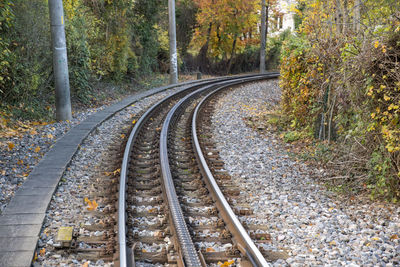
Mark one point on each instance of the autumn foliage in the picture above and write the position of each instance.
(340, 75)
(225, 29)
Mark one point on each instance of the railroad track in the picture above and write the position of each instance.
(171, 209)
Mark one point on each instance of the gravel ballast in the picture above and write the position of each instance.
(312, 226)
(68, 207)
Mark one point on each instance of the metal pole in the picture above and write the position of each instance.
(172, 44)
(60, 62)
(263, 35)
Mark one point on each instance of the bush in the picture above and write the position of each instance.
(348, 79)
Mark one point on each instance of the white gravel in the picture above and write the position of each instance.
(314, 227)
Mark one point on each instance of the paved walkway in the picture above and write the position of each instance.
(22, 219)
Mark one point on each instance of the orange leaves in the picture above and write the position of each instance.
(226, 263)
(37, 149)
(10, 146)
(92, 205)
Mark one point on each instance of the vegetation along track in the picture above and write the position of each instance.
(166, 214)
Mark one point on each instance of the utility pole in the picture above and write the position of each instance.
(173, 56)
(263, 35)
(60, 62)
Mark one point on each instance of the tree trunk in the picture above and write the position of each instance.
(345, 16)
(232, 55)
(263, 35)
(357, 15)
(338, 17)
(173, 71)
(203, 60)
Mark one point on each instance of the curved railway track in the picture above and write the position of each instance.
(171, 210)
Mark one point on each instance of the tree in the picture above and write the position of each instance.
(225, 27)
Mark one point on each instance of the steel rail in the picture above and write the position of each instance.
(188, 251)
(244, 242)
(124, 260)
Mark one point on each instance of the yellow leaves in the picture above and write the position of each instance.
(92, 205)
(226, 263)
(11, 146)
(370, 90)
(50, 136)
(86, 264)
(394, 237)
(373, 115)
(376, 44)
(393, 107)
(33, 132)
(332, 243)
(133, 122)
(116, 172)
(375, 238)
(42, 252)
(152, 210)
(20, 162)
(122, 136)
(37, 149)
(210, 250)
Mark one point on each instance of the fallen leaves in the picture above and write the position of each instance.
(210, 250)
(116, 172)
(42, 252)
(11, 146)
(152, 210)
(50, 136)
(37, 149)
(226, 263)
(92, 205)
